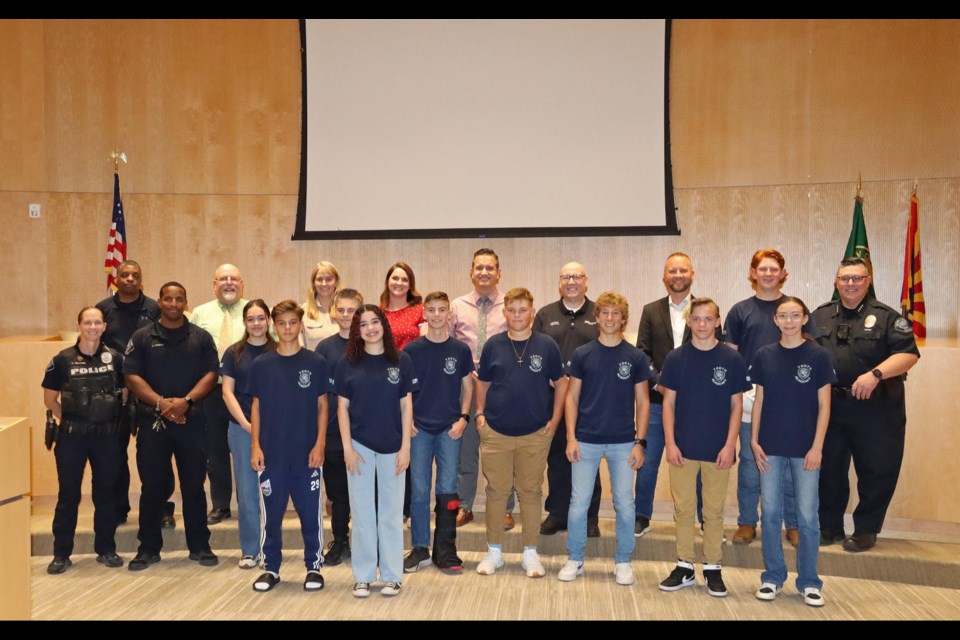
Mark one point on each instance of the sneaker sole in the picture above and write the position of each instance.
(640, 534)
(682, 585)
(717, 594)
(767, 597)
(626, 583)
(390, 594)
(420, 565)
(813, 603)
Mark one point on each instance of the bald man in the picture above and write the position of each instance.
(571, 323)
(222, 318)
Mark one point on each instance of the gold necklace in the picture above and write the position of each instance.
(519, 355)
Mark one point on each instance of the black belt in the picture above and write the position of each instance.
(89, 428)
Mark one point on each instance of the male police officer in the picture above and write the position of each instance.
(872, 348)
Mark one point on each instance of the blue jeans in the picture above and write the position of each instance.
(647, 474)
(772, 488)
(424, 447)
(377, 522)
(248, 490)
(583, 476)
(748, 487)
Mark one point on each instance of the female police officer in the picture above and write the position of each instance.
(83, 386)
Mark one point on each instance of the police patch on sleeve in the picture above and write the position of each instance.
(50, 365)
(903, 325)
(129, 348)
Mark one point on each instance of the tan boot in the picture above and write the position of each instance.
(745, 534)
(793, 537)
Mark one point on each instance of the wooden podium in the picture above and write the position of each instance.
(15, 518)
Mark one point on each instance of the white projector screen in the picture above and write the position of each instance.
(485, 128)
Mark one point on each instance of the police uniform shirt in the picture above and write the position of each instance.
(440, 368)
(875, 332)
(240, 372)
(287, 388)
(171, 361)
(520, 398)
(72, 363)
(374, 387)
(791, 380)
(750, 326)
(332, 349)
(123, 318)
(570, 329)
(607, 405)
(704, 382)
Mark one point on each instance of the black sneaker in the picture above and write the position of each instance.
(111, 560)
(142, 560)
(418, 558)
(266, 582)
(58, 565)
(641, 526)
(593, 529)
(337, 551)
(682, 576)
(829, 536)
(313, 581)
(206, 558)
(714, 580)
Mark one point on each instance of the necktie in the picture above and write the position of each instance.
(482, 324)
(225, 339)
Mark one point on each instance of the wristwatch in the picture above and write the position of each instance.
(188, 400)
(465, 416)
(641, 441)
(877, 374)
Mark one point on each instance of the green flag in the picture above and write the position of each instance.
(857, 245)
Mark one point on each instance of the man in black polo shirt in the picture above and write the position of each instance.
(171, 366)
(571, 323)
(124, 312)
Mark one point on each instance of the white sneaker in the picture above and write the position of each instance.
(247, 562)
(812, 597)
(531, 563)
(361, 589)
(490, 563)
(768, 591)
(624, 573)
(570, 570)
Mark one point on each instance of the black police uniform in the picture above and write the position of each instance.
(90, 388)
(172, 361)
(569, 329)
(122, 319)
(871, 431)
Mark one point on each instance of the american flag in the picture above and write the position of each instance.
(117, 242)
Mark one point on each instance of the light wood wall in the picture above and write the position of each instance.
(771, 122)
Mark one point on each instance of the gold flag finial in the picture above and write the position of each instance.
(859, 183)
(914, 194)
(117, 156)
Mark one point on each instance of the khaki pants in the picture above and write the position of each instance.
(514, 461)
(683, 485)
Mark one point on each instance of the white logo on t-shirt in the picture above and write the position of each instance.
(719, 376)
(304, 378)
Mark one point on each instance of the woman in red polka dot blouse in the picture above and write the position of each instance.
(402, 304)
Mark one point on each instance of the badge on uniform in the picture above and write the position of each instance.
(623, 371)
(536, 363)
(393, 375)
(903, 325)
(303, 379)
(869, 321)
(450, 366)
(106, 357)
(719, 376)
(803, 373)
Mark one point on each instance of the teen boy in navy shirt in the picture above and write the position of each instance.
(288, 421)
(441, 410)
(703, 383)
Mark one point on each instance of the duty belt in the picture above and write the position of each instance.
(89, 428)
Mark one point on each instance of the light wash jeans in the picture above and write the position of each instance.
(248, 490)
(748, 487)
(424, 447)
(377, 522)
(772, 488)
(583, 476)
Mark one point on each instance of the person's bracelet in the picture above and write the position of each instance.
(159, 400)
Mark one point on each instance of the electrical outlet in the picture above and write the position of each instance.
(34, 211)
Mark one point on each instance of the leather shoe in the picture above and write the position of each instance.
(508, 522)
(552, 525)
(142, 560)
(829, 536)
(860, 542)
(112, 560)
(593, 529)
(337, 551)
(168, 521)
(464, 516)
(793, 537)
(216, 515)
(58, 565)
(206, 558)
(746, 533)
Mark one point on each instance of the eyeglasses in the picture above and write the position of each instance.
(573, 277)
(851, 279)
(789, 316)
(224, 279)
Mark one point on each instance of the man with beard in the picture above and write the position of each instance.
(223, 319)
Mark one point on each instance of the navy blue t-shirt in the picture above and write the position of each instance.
(440, 368)
(750, 325)
(374, 387)
(608, 375)
(241, 373)
(332, 348)
(704, 382)
(520, 398)
(287, 388)
(790, 379)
